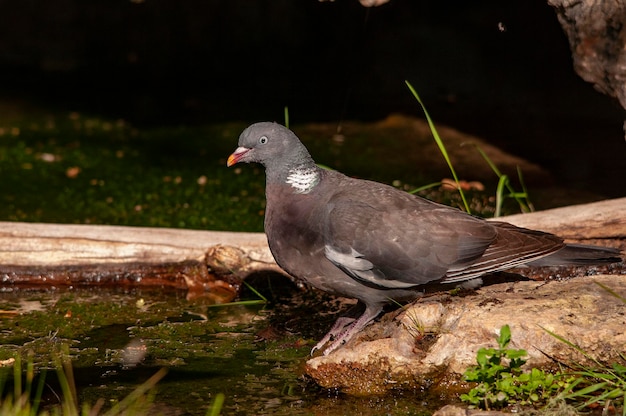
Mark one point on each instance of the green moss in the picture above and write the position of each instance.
(74, 169)
(71, 168)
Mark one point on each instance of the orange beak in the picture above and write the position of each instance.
(236, 156)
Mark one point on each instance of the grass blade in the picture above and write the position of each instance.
(256, 292)
(492, 165)
(442, 147)
(65, 375)
(421, 188)
(571, 345)
(502, 182)
(17, 378)
(611, 291)
(239, 303)
(216, 406)
(518, 196)
(261, 301)
(527, 206)
(601, 398)
(39, 391)
(585, 391)
(136, 394)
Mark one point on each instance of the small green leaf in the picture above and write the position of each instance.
(505, 336)
(510, 353)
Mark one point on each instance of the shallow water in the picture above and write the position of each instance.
(117, 339)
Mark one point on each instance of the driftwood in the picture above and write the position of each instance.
(62, 254)
(29, 244)
(601, 223)
(95, 255)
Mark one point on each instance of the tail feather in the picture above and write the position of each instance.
(579, 255)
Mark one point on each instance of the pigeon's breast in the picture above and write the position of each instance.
(294, 232)
(296, 226)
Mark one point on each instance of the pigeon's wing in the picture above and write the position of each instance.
(391, 239)
(513, 246)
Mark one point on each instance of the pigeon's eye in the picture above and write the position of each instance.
(263, 139)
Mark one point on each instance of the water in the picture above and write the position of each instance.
(118, 339)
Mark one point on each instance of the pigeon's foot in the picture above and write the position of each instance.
(345, 328)
(334, 333)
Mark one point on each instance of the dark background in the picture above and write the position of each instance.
(498, 69)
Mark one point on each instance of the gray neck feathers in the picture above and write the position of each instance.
(299, 172)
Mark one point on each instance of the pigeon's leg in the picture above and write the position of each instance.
(344, 320)
(334, 332)
(348, 330)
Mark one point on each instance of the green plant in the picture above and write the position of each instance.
(600, 385)
(503, 180)
(612, 292)
(442, 147)
(416, 328)
(216, 405)
(603, 385)
(501, 381)
(261, 301)
(521, 198)
(24, 402)
(286, 111)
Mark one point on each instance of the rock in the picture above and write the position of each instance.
(597, 33)
(389, 354)
(451, 410)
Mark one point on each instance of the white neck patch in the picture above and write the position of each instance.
(303, 180)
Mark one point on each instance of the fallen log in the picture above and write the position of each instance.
(72, 255)
(29, 244)
(602, 223)
(53, 255)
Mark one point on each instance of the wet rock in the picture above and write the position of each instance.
(224, 259)
(389, 354)
(241, 260)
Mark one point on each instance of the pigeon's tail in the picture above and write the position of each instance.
(579, 255)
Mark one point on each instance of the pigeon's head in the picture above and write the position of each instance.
(269, 144)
